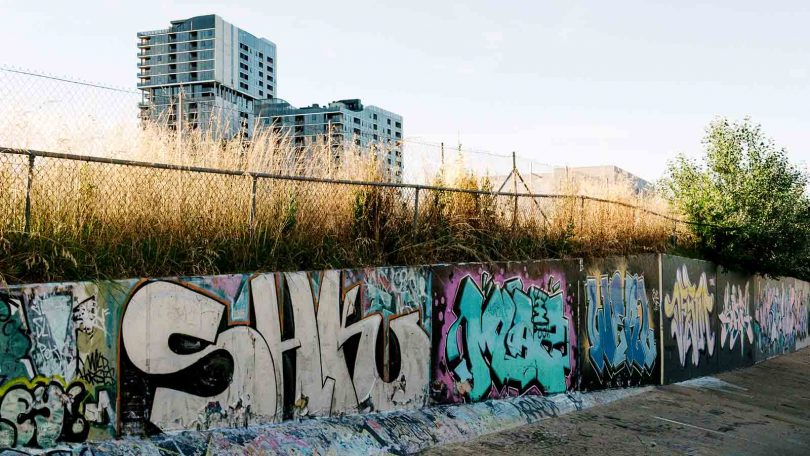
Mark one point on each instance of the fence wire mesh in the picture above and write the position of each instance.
(69, 179)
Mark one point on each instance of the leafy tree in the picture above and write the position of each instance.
(751, 201)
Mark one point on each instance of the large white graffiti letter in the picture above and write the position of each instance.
(160, 310)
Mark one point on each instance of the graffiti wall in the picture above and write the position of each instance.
(735, 319)
(95, 360)
(58, 379)
(619, 327)
(691, 335)
(503, 330)
(780, 321)
(239, 350)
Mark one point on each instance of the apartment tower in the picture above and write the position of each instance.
(206, 72)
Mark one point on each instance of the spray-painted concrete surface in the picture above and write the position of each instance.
(759, 410)
(93, 361)
(398, 432)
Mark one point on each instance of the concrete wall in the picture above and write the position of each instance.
(94, 360)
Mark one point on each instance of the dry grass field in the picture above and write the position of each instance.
(95, 220)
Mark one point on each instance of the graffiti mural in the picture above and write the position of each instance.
(94, 360)
(690, 309)
(735, 319)
(14, 342)
(321, 343)
(781, 316)
(505, 334)
(48, 334)
(691, 324)
(618, 317)
(45, 411)
(621, 332)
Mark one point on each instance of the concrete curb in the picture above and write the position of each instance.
(398, 432)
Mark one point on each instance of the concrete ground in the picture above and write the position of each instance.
(763, 409)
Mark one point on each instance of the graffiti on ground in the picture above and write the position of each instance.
(689, 310)
(508, 339)
(620, 330)
(735, 319)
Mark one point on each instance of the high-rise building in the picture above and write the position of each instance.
(205, 70)
(342, 122)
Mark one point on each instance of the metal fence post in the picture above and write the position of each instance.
(252, 216)
(416, 209)
(675, 233)
(514, 190)
(581, 214)
(29, 184)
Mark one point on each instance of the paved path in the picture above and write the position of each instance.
(763, 410)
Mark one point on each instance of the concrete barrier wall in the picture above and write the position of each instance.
(94, 360)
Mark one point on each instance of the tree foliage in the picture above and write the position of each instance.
(752, 202)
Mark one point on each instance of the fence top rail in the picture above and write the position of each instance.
(262, 175)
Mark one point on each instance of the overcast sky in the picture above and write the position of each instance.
(564, 82)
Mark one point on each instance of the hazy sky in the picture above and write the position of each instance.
(564, 82)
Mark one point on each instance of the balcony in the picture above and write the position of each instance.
(154, 32)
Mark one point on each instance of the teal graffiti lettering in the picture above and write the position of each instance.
(505, 336)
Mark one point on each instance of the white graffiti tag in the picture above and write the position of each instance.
(735, 319)
(89, 317)
(689, 310)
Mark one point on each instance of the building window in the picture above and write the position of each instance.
(389, 121)
(389, 131)
(261, 65)
(269, 60)
(261, 94)
(357, 121)
(243, 66)
(398, 125)
(375, 118)
(376, 137)
(243, 75)
(375, 126)
(398, 135)
(243, 46)
(261, 75)
(243, 85)
(243, 56)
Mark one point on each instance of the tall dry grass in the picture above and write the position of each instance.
(92, 220)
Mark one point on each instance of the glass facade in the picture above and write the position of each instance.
(204, 66)
(343, 122)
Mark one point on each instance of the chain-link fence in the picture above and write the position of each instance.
(77, 189)
(47, 112)
(424, 161)
(44, 188)
(41, 111)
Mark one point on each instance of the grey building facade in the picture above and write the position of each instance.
(205, 70)
(343, 123)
